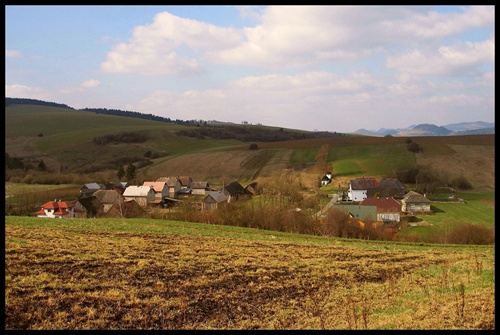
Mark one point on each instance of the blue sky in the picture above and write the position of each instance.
(329, 68)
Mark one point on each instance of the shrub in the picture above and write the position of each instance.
(461, 183)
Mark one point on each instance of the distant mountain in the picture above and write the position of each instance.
(426, 129)
(469, 126)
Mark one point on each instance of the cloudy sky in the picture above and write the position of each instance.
(329, 68)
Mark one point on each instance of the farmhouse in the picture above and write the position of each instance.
(173, 183)
(160, 187)
(233, 191)
(414, 202)
(358, 188)
(143, 195)
(200, 187)
(388, 209)
(327, 179)
(212, 200)
(56, 209)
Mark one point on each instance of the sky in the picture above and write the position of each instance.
(316, 68)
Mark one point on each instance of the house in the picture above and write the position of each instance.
(358, 188)
(160, 187)
(106, 199)
(92, 187)
(143, 195)
(387, 187)
(201, 188)
(233, 191)
(185, 181)
(56, 209)
(327, 179)
(252, 188)
(212, 200)
(388, 209)
(116, 186)
(126, 209)
(174, 185)
(414, 202)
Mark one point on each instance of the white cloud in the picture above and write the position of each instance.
(160, 47)
(458, 59)
(90, 83)
(22, 91)
(13, 54)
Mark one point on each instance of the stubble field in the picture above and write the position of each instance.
(155, 274)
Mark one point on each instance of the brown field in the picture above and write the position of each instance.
(114, 278)
(475, 162)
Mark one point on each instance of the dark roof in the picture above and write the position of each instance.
(234, 188)
(363, 183)
(199, 184)
(390, 183)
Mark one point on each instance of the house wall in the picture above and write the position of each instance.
(199, 191)
(388, 217)
(416, 207)
(356, 195)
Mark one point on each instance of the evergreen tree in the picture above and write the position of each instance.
(130, 173)
(120, 173)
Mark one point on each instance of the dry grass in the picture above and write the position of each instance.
(87, 278)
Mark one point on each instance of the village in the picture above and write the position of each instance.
(366, 199)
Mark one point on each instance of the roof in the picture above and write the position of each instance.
(199, 184)
(59, 207)
(186, 190)
(363, 183)
(137, 191)
(383, 204)
(218, 196)
(358, 211)
(170, 181)
(107, 196)
(391, 183)
(157, 185)
(415, 197)
(234, 188)
(184, 180)
(91, 186)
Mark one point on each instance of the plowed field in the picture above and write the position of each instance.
(111, 277)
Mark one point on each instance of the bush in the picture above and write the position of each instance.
(413, 147)
(468, 233)
(461, 183)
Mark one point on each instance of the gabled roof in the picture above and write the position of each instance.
(59, 207)
(184, 180)
(157, 185)
(170, 181)
(390, 183)
(415, 197)
(107, 196)
(363, 183)
(199, 184)
(234, 188)
(137, 191)
(90, 186)
(383, 204)
(218, 196)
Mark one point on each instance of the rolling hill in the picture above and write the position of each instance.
(94, 145)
